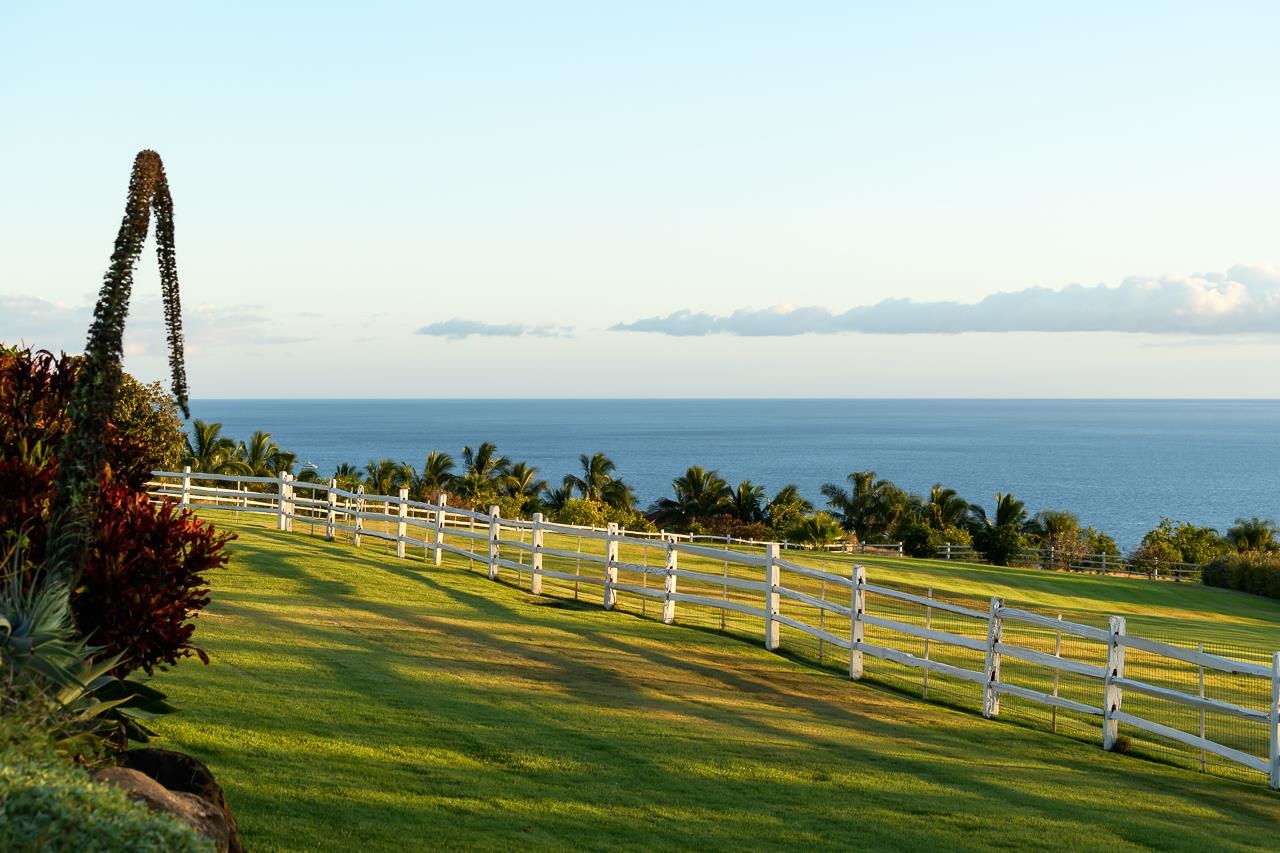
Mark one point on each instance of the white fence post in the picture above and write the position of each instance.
(494, 530)
(856, 626)
(669, 584)
(991, 694)
(331, 510)
(402, 527)
(1275, 721)
(771, 599)
(1113, 696)
(610, 566)
(359, 525)
(280, 501)
(535, 572)
(185, 501)
(440, 513)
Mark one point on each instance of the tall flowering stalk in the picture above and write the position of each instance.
(81, 458)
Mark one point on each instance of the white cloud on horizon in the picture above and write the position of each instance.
(1244, 299)
(457, 329)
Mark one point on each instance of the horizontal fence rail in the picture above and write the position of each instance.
(1085, 677)
(1106, 564)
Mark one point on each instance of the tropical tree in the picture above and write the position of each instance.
(816, 530)
(521, 484)
(261, 456)
(999, 538)
(435, 479)
(786, 508)
(1061, 539)
(747, 503)
(699, 494)
(597, 474)
(482, 469)
(207, 450)
(556, 499)
(869, 507)
(383, 476)
(945, 508)
(1253, 534)
(348, 476)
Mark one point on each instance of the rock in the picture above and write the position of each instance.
(203, 816)
(183, 773)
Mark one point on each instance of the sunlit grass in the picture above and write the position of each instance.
(359, 700)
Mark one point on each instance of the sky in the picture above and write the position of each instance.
(689, 199)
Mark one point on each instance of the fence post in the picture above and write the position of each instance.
(991, 695)
(535, 569)
(610, 566)
(495, 529)
(669, 584)
(280, 501)
(440, 513)
(185, 501)
(1275, 721)
(402, 528)
(331, 510)
(359, 525)
(771, 596)
(1113, 696)
(856, 626)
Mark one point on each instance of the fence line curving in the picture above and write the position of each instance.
(1080, 678)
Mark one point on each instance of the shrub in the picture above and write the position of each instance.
(143, 580)
(49, 804)
(1256, 572)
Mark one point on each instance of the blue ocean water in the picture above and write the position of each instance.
(1119, 464)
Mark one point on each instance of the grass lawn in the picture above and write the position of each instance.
(359, 701)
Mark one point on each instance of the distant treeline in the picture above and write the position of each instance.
(863, 508)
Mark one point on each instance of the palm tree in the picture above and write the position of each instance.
(521, 482)
(699, 494)
(999, 539)
(481, 470)
(870, 507)
(262, 457)
(206, 449)
(347, 475)
(816, 530)
(383, 476)
(555, 499)
(597, 473)
(747, 502)
(436, 477)
(787, 507)
(1253, 534)
(619, 495)
(945, 508)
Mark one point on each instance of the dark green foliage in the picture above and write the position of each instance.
(50, 804)
(1257, 572)
(1253, 534)
(999, 538)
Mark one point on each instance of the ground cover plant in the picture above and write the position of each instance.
(356, 698)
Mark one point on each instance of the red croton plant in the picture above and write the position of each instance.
(143, 581)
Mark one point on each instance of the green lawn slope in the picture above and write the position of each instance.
(356, 701)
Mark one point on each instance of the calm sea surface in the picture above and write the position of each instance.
(1119, 465)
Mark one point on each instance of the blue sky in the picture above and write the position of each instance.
(661, 199)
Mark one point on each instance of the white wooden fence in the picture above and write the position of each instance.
(777, 593)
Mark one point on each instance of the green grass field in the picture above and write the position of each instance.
(359, 700)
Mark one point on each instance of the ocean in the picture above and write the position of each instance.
(1120, 465)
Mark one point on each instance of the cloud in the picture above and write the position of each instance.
(1244, 299)
(457, 329)
(39, 322)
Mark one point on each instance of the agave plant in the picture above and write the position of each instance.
(44, 662)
